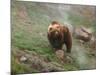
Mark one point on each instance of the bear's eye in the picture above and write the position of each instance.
(50, 29)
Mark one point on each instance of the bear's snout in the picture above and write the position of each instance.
(55, 33)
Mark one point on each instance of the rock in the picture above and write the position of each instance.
(69, 59)
(23, 59)
(60, 54)
(92, 42)
(64, 58)
(83, 33)
(88, 31)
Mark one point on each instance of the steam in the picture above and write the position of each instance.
(80, 56)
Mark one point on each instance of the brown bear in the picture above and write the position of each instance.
(58, 35)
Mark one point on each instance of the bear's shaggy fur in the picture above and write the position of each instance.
(59, 35)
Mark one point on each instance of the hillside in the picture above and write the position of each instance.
(31, 51)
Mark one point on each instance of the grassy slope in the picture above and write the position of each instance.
(29, 31)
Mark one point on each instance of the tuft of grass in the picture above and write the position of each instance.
(70, 67)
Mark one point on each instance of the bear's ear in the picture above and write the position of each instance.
(50, 26)
(55, 22)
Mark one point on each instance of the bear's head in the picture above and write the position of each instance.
(55, 29)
